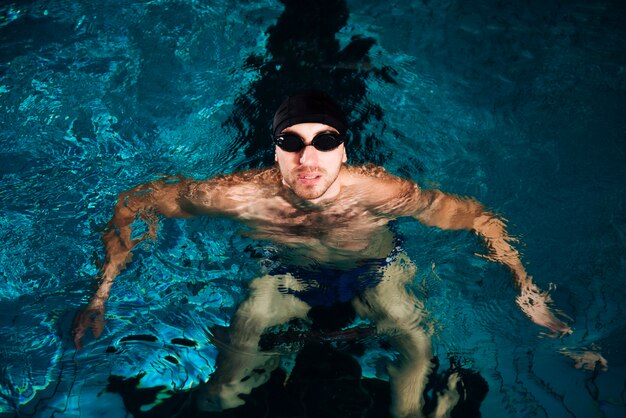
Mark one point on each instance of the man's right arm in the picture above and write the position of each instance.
(172, 198)
(146, 202)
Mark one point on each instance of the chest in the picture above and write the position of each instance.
(326, 234)
(313, 222)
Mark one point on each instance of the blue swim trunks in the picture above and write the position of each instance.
(327, 286)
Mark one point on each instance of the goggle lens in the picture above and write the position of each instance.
(322, 142)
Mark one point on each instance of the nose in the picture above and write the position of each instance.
(308, 156)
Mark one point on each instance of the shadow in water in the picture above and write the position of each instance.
(303, 53)
(325, 382)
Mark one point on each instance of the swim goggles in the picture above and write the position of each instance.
(325, 141)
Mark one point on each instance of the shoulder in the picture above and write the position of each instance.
(374, 176)
(224, 182)
(377, 187)
(366, 171)
(227, 190)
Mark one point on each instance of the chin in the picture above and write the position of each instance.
(309, 194)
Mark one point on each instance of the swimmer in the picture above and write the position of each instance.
(328, 224)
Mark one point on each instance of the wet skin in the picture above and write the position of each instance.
(319, 207)
(313, 203)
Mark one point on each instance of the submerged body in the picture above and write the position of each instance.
(323, 215)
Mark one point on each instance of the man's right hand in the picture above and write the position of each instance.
(92, 316)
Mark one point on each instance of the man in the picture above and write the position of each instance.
(328, 222)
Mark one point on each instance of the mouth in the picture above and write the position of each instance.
(309, 178)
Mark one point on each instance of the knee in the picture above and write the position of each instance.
(267, 305)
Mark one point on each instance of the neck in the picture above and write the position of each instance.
(318, 203)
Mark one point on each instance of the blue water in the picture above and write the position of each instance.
(520, 104)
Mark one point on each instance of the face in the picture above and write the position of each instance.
(310, 173)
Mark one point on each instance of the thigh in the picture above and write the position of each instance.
(391, 303)
(269, 304)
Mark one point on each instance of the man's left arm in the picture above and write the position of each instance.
(445, 211)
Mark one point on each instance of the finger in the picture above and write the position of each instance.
(97, 326)
(79, 332)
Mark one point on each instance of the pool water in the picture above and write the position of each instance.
(519, 104)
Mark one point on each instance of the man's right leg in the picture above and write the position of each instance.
(240, 365)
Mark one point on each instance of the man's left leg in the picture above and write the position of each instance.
(398, 313)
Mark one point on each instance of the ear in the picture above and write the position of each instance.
(345, 157)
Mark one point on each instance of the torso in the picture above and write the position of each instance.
(338, 232)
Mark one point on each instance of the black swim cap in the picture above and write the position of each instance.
(309, 106)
